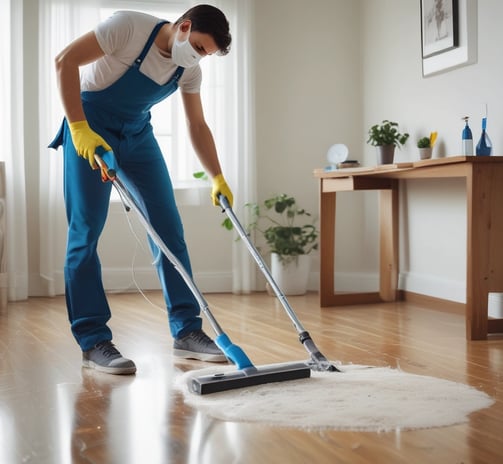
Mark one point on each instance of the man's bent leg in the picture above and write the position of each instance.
(87, 200)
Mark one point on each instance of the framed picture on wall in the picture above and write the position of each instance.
(448, 34)
(439, 26)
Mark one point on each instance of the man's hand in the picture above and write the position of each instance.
(221, 187)
(86, 141)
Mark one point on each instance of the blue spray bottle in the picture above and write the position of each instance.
(467, 139)
(484, 147)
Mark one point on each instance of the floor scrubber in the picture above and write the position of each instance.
(246, 374)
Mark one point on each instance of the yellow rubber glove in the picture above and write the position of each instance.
(221, 187)
(86, 141)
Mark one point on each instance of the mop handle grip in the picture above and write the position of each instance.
(106, 172)
(224, 203)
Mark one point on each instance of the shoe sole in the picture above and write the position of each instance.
(109, 370)
(208, 357)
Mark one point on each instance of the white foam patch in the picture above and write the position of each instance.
(360, 398)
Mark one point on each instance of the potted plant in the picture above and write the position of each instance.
(424, 148)
(277, 219)
(280, 220)
(425, 145)
(386, 137)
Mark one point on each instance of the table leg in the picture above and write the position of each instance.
(328, 296)
(327, 246)
(484, 265)
(388, 230)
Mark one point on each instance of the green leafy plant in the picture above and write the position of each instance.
(423, 142)
(201, 175)
(386, 133)
(277, 220)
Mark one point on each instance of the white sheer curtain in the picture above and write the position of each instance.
(63, 20)
(245, 168)
(238, 150)
(12, 153)
(60, 22)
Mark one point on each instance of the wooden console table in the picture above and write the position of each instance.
(484, 252)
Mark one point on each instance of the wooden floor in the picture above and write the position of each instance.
(52, 411)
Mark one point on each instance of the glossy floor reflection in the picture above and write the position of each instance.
(52, 411)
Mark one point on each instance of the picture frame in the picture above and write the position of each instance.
(455, 41)
(439, 26)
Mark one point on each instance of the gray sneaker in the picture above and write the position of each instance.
(197, 345)
(105, 357)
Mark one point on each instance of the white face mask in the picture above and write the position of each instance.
(183, 53)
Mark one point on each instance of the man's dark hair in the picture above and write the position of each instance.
(210, 20)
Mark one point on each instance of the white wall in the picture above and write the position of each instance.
(309, 80)
(433, 224)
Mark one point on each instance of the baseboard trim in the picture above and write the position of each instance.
(431, 302)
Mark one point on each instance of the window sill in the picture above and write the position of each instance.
(188, 194)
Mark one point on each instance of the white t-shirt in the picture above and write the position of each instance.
(122, 37)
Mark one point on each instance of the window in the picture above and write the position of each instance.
(227, 95)
(223, 95)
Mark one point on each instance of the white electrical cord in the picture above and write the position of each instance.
(139, 244)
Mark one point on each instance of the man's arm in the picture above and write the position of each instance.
(204, 145)
(200, 134)
(80, 52)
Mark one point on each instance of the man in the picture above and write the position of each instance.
(135, 61)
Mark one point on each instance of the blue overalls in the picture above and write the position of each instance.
(121, 115)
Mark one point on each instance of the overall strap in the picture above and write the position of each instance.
(149, 43)
(178, 73)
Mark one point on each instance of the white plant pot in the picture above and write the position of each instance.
(425, 153)
(292, 277)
